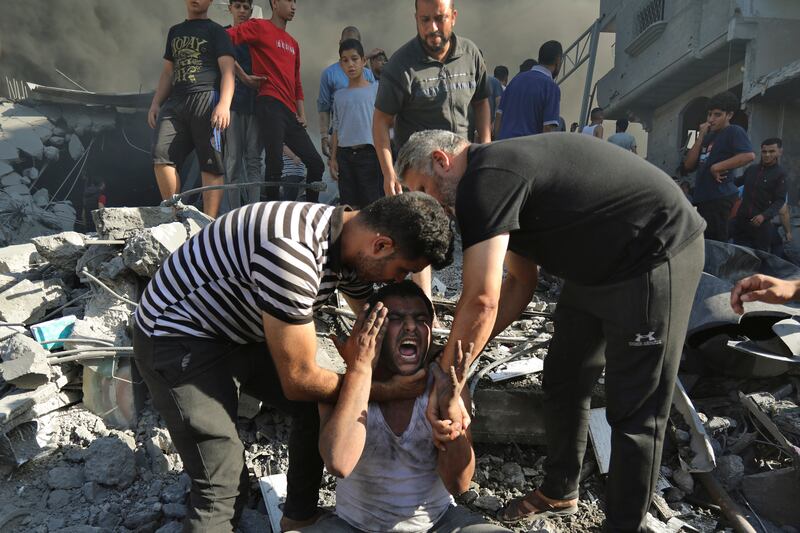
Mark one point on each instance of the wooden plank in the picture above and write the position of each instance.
(273, 489)
(600, 433)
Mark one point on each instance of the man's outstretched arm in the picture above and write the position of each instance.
(343, 426)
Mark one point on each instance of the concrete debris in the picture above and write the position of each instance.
(61, 250)
(18, 258)
(28, 301)
(24, 362)
(110, 461)
(730, 471)
(145, 252)
(125, 222)
(65, 477)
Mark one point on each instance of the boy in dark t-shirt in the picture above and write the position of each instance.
(191, 106)
(720, 148)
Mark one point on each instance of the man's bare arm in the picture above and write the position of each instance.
(483, 121)
(786, 221)
(476, 311)
(522, 275)
(324, 129)
(456, 464)
(381, 125)
(162, 92)
(293, 348)
(498, 120)
(598, 131)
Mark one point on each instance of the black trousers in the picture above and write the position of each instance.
(280, 126)
(636, 329)
(360, 176)
(717, 214)
(195, 385)
(746, 234)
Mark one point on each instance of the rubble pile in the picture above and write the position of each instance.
(81, 452)
(31, 140)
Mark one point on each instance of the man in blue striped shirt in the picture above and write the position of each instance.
(232, 310)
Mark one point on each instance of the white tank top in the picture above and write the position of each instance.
(395, 486)
(589, 130)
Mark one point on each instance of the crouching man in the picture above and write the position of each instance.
(392, 476)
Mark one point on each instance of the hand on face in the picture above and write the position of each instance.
(362, 347)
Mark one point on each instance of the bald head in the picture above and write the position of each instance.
(350, 32)
(451, 4)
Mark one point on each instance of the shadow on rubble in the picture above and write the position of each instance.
(765, 341)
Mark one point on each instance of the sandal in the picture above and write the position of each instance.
(536, 505)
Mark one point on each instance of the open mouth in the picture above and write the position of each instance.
(408, 350)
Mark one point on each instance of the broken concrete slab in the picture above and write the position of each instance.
(75, 147)
(145, 251)
(774, 495)
(123, 222)
(729, 471)
(5, 168)
(62, 250)
(18, 258)
(10, 180)
(24, 362)
(65, 477)
(28, 301)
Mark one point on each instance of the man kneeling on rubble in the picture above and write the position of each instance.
(392, 478)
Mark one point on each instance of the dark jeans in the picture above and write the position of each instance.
(195, 385)
(717, 214)
(746, 234)
(636, 329)
(360, 176)
(279, 126)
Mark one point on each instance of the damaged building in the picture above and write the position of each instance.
(671, 56)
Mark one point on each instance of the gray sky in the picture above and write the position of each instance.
(116, 45)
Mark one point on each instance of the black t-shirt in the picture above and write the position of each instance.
(585, 210)
(194, 46)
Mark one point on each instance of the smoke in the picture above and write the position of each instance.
(117, 45)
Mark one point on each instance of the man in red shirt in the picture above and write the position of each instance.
(279, 106)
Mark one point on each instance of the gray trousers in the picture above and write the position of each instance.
(457, 520)
(636, 330)
(243, 161)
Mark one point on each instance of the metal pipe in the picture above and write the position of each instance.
(98, 349)
(587, 88)
(79, 340)
(318, 186)
(85, 272)
(729, 508)
(88, 356)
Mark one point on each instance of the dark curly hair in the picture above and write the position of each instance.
(727, 102)
(403, 289)
(417, 223)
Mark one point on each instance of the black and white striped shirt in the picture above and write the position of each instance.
(282, 258)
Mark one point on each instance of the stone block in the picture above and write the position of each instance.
(75, 147)
(110, 462)
(51, 153)
(24, 362)
(18, 258)
(729, 471)
(145, 252)
(28, 301)
(11, 179)
(124, 222)
(41, 198)
(61, 250)
(513, 415)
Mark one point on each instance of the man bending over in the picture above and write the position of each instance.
(392, 478)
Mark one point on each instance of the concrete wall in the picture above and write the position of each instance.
(664, 138)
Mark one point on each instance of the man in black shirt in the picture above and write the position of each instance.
(764, 195)
(191, 106)
(630, 249)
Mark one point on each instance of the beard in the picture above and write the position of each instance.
(441, 46)
(368, 269)
(448, 191)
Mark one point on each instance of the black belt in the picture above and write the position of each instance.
(357, 148)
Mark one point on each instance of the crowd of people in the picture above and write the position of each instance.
(408, 138)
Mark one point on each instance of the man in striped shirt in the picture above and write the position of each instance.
(232, 310)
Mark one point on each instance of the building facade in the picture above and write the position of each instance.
(671, 55)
